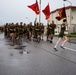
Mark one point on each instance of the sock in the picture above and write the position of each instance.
(62, 44)
(54, 46)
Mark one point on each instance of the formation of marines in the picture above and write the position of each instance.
(36, 31)
(14, 31)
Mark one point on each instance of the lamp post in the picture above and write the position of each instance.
(68, 1)
(40, 12)
(70, 16)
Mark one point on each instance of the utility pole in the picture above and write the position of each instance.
(69, 27)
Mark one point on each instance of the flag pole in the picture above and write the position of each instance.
(40, 12)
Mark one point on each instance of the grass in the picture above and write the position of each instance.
(71, 35)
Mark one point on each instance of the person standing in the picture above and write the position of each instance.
(62, 35)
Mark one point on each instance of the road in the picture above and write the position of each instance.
(42, 59)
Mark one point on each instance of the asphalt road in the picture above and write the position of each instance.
(42, 59)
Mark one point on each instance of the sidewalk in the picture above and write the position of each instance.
(72, 40)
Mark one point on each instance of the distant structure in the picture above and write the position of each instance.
(71, 19)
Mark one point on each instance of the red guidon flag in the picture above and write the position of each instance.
(35, 7)
(62, 14)
(46, 11)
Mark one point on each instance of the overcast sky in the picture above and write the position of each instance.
(17, 10)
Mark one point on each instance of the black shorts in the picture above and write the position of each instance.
(61, 34)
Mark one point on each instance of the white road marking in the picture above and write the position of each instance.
(70, 49)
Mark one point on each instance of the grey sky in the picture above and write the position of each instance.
(17, 10)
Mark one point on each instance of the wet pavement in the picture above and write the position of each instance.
(33, 58)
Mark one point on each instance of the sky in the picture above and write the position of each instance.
(17, 10)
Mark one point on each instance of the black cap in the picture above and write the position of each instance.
(64, 20)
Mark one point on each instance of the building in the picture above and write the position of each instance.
(71, 19)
